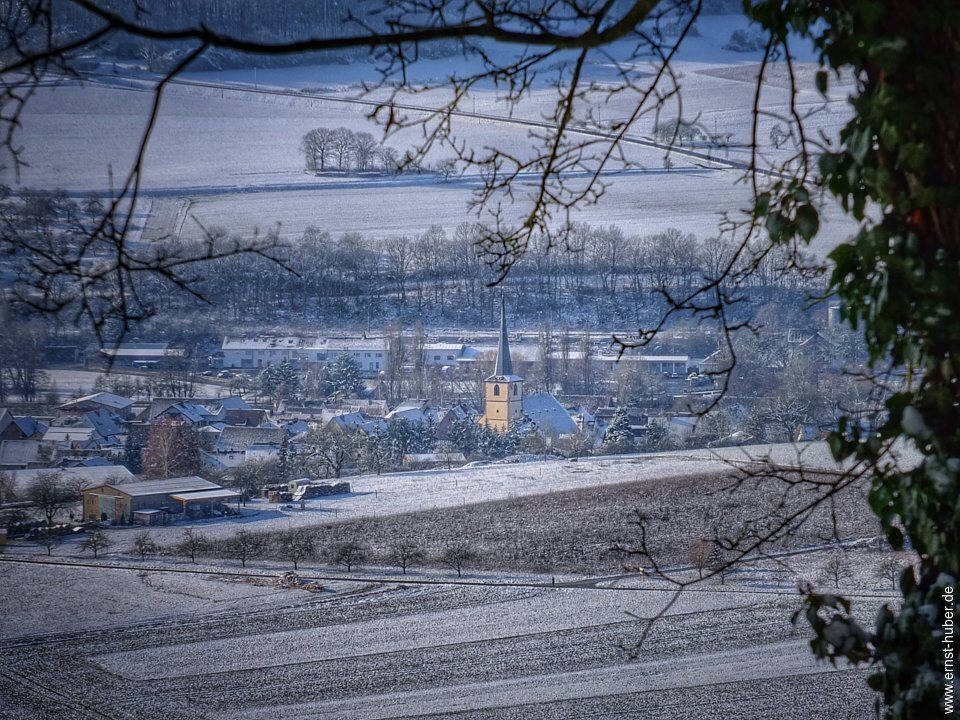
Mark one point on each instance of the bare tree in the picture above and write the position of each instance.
(21, 359)
(456, 555)
(173, 450)
(348, 553)
(144, 544)
(96, 541)
(891, 569)
(49, 492)
(341, 145)
(390, 160)
(192, 542)
(244, 545)
(446, 168)
(296, 545)
(578, 444)
(364, 148)
(250, 477)
(8, 488)
(49, 538)
(330, 449)
(404, 553)
(317, 144)
(399, 251)
(700, 554)
(836, 568)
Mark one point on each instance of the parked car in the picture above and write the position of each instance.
(225, 374)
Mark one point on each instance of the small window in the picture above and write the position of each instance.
(496, 390)
(515, 389)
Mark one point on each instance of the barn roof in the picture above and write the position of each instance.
(164, 487)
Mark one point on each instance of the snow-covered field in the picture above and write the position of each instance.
(166, 637)
(227, 154)
(149, 643)
(399, 493)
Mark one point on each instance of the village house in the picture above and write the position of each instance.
(261, 351)
(441, 354)
(370, 354)
(114, 404)
(23, 427)
(235, 444)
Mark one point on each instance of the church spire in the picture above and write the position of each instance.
(504, 363)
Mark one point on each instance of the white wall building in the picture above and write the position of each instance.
(370, 353)
(259, 352)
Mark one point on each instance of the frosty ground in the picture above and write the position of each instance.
(119, 637)
(159, 643)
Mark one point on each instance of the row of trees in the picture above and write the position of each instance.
(607, 276)
(344, 149)
(299, 544)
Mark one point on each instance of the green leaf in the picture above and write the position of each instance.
(776, 226)
(808, 221)
(822, 80)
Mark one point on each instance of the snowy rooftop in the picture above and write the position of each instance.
(221, 494)
(272, 343)
(549, 415)
(101, 398)
(355, 344)
(171, 485)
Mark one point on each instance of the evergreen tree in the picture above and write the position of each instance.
(655, 439)
(279, 382)
(376, 453)
(493, 444)
(465, 434)
(618, 437)
(284, 464)
(345, 377)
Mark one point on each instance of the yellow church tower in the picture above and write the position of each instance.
(503, 391)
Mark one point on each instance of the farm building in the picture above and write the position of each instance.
(191, 495)
(142, 355)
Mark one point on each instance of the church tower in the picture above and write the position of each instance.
(503, 391)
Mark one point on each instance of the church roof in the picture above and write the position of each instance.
(503, 371)
(548, 414)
